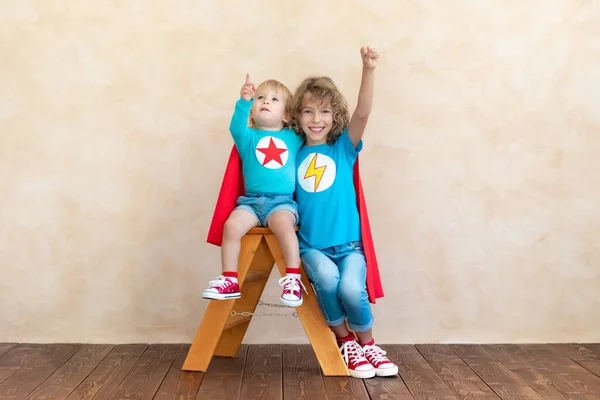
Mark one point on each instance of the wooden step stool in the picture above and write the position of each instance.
(220, 333)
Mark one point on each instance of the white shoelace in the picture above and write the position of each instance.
(221, 282)
(376, 352)
(351, 351)
(293, 282)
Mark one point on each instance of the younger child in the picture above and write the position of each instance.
(267, 150)
(330, 232)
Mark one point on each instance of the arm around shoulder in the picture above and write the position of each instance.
(360, 117)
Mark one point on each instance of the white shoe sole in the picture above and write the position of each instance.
(363, 374)
(290, 303)
(217, 296)
(387, 371)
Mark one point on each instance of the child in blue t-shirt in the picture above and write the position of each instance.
(267, 149)
(329, 232)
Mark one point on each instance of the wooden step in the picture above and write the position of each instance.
(255, 276)
(236, 320)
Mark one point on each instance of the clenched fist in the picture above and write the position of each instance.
(369, 56)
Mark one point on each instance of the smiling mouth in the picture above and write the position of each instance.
(316, 129)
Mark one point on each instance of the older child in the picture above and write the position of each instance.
(330, 232)
(268, 149)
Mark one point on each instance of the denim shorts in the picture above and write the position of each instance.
(263, 206)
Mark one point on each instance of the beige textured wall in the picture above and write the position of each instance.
(480, 161)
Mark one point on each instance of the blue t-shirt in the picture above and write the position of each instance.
(325, 194)
(268, 157)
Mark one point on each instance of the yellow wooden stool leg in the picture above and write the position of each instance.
(217, 317)
(221, 333)
(252, 286)
(319, 334)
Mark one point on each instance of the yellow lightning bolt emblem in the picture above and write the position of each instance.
(317, 172)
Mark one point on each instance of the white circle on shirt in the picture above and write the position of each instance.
(271, 152)
(316, 173)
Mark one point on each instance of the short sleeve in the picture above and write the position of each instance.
(348, 148)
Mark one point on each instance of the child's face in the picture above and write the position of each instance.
(316, 119)
(268, 110)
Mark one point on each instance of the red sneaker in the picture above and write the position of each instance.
(358, 365)
(292, 290)
(383, 366)
(222, 288)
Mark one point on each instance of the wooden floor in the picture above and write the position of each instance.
(139, 371)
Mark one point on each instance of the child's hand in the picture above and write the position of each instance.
(369, 57)
(248, 89)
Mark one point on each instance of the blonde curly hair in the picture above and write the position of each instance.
(321, 88)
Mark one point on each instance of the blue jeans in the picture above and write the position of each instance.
(339, 276)
(262, 206)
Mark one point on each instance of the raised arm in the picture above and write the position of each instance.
(239, 121)
(359, 119)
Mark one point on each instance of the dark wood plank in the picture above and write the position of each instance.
(512, 355)
(180, 384)
(519, 371)
(223, 380)
(24, 380)
(38, 355)
(419, 376)
(302, 377)
(553, 384)
(37, 363)
(391, 387)
(5, 372)
(544, 373)
(592, 366)
(22, 354)
(345, 388)
(5, 347)
(565, 375)
(147, 374)
(262, 373)
(460, 379)
(595, 348)
(109, 374)
(546, 355)
(587, 355)
(495, 374)
(65, 379)
(578, 351)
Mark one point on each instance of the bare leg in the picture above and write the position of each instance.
(281, 224)
(341, 330)
(365, 337)
(238, 224)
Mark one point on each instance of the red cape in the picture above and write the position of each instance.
(233, 187)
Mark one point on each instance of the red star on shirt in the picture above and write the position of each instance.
(272, 153)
